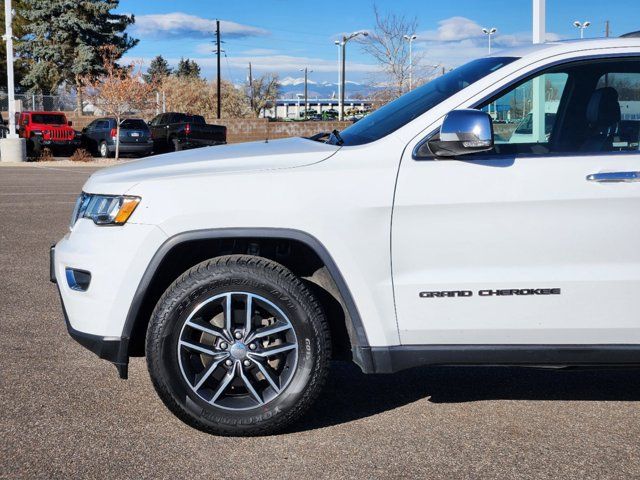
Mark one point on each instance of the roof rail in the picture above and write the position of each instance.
(635, 34)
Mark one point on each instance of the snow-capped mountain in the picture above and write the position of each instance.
(290, 87)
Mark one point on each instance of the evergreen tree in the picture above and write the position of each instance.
(158, 70)
(64, 37)
(188, 68)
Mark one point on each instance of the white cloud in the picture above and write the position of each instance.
(460, 39)
(183, 25)
(284, 65)
(452, 29)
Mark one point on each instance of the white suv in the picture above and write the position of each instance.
(424, 234)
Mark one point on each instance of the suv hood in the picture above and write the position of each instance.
(221, 159)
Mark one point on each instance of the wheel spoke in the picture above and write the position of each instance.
(228, 315)
(247, 322)
(249, 386)
(210, 370)
(270, 352)
(264, 369)
(224, 384)
(210, 330)
(277, 327)
(199, 348)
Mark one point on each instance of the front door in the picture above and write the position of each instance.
(538, 241)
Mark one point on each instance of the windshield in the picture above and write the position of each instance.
(411, 105)
(48, 118)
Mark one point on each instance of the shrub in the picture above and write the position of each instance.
(81, 155)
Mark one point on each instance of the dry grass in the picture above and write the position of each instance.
(81, 155)
(45, 155)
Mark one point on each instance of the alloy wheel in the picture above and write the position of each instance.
(237, 350)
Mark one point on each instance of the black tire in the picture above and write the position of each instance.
(212, 279)
(34, 147)
(176, 145)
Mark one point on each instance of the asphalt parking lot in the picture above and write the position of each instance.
(65, 414)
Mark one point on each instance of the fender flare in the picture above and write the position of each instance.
(359, 342)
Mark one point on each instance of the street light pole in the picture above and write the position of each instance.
(8, 38)
(581, 26)
(345, 39)
(488, 32)
(410, 39)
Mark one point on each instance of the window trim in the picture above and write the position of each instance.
(522, 79)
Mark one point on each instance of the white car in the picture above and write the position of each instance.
(410, 238)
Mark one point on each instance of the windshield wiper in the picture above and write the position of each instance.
(336, 134)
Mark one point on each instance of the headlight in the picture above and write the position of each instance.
(104, 209)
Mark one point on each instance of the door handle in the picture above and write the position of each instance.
(614, 177)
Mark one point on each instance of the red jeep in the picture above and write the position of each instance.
(47, 129)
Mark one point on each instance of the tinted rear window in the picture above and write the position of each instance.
(134, 124)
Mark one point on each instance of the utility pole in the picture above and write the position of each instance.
(218, 51)
(8, 38)
(606, 28)
(306, 97)
(306, 80)
(250, 87)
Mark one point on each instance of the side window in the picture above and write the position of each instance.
(525, 116)
(584, 107)
(627, 87)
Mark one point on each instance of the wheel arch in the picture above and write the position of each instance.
(195, 246)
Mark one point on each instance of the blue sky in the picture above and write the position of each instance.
(285, 35)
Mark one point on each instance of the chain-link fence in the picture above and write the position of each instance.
(28, 101)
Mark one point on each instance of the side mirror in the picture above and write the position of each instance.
(463, 132)
(70, 123)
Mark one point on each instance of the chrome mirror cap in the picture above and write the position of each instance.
(463, 132)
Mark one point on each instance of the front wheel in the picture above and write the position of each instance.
(238, 346)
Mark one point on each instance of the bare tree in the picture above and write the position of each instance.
(118, 91)
(386, 44)
(262, 92)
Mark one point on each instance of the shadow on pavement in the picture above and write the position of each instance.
(351, 395)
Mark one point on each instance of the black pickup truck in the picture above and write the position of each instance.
(174, 131)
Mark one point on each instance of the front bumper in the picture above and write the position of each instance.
(112, 349)
(60, 143)
(116, 258)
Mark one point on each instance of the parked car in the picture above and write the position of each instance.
(175, 131)
(99, 137)
(47, 129)
(241, 271)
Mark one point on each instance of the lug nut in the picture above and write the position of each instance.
(238, 335)
(228, 363)
(246, 363)
(223, 345)
(252, 346)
